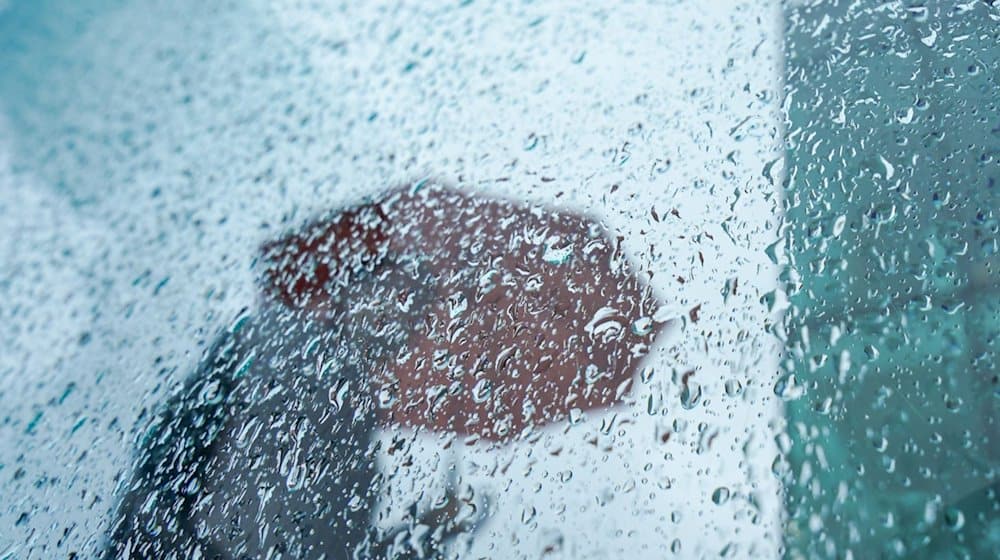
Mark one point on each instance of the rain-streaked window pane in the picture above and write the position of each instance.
(892, 197)
(465, 279)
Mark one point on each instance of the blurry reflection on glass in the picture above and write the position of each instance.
(429, 308)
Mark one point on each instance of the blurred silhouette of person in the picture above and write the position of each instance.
(428, 308)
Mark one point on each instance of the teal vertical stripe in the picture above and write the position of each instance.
(892, 204)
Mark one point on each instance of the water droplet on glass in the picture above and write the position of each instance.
(386, 397)
(930, 38)
(690, 395)
(642, 326)
(953, 403)
(457, 304)
(605, 326)
(482, 390)
(788, 387)
(721, 495)
(338, 394)
(734, 388)
(296, 477)
(556, 253)
(954, 519)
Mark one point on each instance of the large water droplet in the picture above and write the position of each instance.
(556, 252)
(457, 304)
(734, 387)
(954, 519)
(690, 395)
(338, 394)
(482, 390)
(788, 387)
(721, 495)
(642, 326)
(605, 326)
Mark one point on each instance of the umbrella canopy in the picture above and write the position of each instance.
(515, 316)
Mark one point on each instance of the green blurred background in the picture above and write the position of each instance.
(891, 381)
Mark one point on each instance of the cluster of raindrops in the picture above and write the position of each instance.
(890, 266)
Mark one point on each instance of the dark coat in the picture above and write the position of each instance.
(269, 447)
(266, 449)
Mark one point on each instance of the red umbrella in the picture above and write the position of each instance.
(529, 312)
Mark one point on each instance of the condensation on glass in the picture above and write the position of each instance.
(463, 279)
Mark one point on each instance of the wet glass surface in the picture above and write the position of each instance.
(289, 279)
(892, 196)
